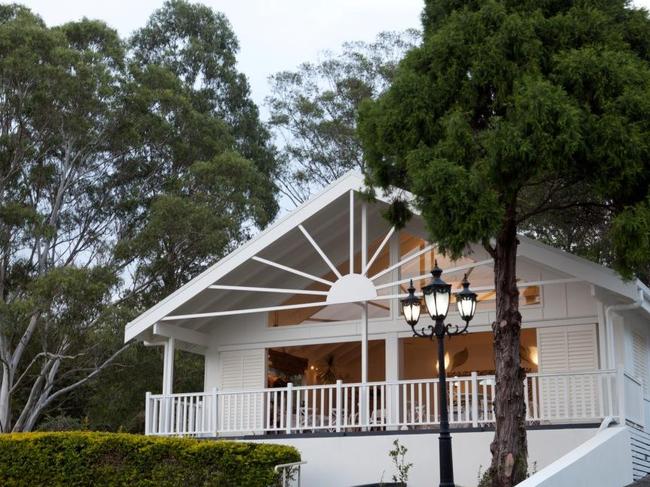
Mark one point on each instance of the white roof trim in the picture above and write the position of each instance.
(577, 266)
(353, 181)
(349, 182)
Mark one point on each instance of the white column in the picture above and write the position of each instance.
(602, 335)
(352, 232)
(364, 306)
(393, 254)
(364, 320)
(392, 376)
(168, 367)
(364, 342)
(392, 357)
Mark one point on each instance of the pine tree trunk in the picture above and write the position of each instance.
(509, 447)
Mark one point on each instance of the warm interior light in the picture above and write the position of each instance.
(447, 360)
(532, 353)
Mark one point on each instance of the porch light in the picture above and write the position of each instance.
(436, 295)
(411, 306)
(466, 301)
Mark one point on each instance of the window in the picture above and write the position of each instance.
(481, 276)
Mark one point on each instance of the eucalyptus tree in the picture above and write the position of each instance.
(510, 111)
(121, 176)
(204, 160)
(313, 110)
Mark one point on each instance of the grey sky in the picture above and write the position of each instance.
(274, 35)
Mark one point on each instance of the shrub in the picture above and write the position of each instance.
(61, 423)
(116, 459)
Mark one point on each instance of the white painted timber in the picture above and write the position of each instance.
(397, 405)
(351, 288)
(378, 251)
(640, 442)
(424, 276)
(291, 270)
(357, 460)
(168, 366)
(528, 249)
(268, 290)
(352, 181)
(320, 251)
(574, 349)
(186, 335)
(351, 257)
(603, 460)
(405, 260)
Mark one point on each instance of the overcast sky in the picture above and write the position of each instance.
(274, 35)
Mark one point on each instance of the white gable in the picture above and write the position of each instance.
(328, 218)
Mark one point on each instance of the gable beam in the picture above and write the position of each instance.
(292, 270)
(268, 290)
(186, 335)
(320, 251)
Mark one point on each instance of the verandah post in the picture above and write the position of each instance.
(474, 399)
(289, 406)
(620, 387)
(215, 412)
(339, 390)
(147, 413)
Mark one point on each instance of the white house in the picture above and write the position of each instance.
(304, 344)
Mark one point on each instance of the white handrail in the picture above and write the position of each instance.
(287, 472)
(559, 397)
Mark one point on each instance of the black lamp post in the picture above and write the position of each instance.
(437, 296)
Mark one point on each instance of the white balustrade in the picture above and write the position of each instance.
(405, 404)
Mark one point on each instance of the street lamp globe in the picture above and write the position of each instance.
(411, 307)
(436, 295)
(466, 301)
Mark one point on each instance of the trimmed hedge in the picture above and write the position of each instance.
(116, 459)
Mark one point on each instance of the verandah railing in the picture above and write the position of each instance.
(550, 398)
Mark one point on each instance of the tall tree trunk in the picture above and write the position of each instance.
(5, 399)
(509, 447)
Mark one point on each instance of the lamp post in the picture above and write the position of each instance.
(437, 297)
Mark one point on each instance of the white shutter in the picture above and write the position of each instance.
(640, 357)
(567, 348)
(552, 350)
(564, 350)
(242, 370)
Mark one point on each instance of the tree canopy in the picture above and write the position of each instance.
(126, 166)
(313, 110)
(510, 113)
(540, 105)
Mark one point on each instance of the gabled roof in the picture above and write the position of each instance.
(353, 181)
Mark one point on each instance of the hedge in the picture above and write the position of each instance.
(116, 459)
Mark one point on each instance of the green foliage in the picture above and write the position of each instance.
(127, 166)
(520, 107)
(398, 456)
(89, 459)
(110, 406)
(510, 113)
(314, 110)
